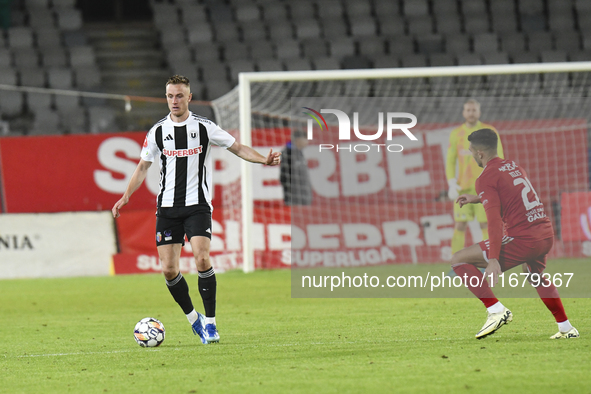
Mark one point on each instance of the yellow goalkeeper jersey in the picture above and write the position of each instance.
(458, 151)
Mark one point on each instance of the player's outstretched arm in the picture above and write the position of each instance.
(134, 183)
(247, 153)
(467, 199)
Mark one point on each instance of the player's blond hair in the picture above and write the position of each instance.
(178, 80)
(472, 101)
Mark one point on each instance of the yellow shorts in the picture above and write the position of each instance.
(469, 211)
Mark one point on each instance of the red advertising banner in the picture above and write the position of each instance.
(575, 216)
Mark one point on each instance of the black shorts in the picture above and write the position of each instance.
(172, 223)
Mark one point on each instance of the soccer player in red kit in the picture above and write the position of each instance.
(508, 197)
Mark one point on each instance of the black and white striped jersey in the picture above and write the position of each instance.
(183, 152)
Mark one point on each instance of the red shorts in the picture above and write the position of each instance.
(515, 252)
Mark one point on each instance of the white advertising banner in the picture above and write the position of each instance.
(56, 244)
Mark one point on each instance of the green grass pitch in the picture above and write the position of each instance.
(75, 335)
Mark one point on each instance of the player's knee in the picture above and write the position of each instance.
(201, 258)
(170, 272)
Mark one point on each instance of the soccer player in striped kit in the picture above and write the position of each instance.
(181, 142)
(508, 198)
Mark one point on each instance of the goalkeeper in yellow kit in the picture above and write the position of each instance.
(458, 155)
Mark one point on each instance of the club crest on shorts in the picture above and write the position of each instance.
(158, 236)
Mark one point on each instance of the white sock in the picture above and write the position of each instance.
(192, 316)
(210, 320)
(496, 308)
(565, 326)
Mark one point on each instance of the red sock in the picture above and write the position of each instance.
(551, 299)
(484, 293)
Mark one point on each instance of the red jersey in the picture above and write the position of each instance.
(508, 196)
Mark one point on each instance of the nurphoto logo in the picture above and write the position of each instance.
(344, 122)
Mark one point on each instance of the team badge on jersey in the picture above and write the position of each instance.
(193, 135)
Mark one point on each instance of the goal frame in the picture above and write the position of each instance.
(245, 111)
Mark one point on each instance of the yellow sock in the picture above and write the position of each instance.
(458, 240)
(484, 233)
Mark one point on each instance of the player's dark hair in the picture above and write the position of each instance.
(484, 138)
(177, 80)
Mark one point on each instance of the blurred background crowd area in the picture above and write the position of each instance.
(131, 47)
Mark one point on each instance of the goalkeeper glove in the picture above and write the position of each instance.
(453, 191)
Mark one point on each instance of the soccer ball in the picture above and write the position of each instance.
(149, 332)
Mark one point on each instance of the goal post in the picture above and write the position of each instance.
(262, 101)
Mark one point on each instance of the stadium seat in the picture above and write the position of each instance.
(40, 17)
(8, 76)
(330, 9)
(101, 118)
(525, 57)
(513, 43)
(280, 31)
(54, 57)
(226, 31)
(504, 24)
(11, 103)
(20, 37)
(297, 64)
(441, 60)
(60, 78)
(392, 26)
(269, 65)
(38, 102)
(48, 37)
(248, 12)
(220, 12)
(419, 25)
(342, 47)
(448, 24)
(371, 46)
(553, 56)
(356, 8)
(314, 48)
(307, 29)
(301, 10)
(559, 22)
(47, 122)
(178, 55)
(495, 58)
(580, 56)
(25, 57)
(213, 71)
(73, 38)
(165, 15)
(235, 51)
(199, 34)
(457, 44)
(174, 35)
(88, 77)
(215, 89)
(415, 60)
(192, 13)
(400, 46)
(430, 43)
(476, 25)
(386, 61)
(530, 7)
(533, 23)
(363, 27)
(356, 62)
(205, 51)
(469, 59)
(253, 31)
(326, 63)
(82, 56)
(415, 7)
(68, 18)
(73, 120)
(240, 65)
(540, 41)
(66, 103)
(485, 43)
(287, 49)
(334, 28)
(5, 58)
(275, 11)
(473, 8)
(262, 50)
(445, 7)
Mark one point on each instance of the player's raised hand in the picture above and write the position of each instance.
(273, 158)
(118, 205)
(467, 199)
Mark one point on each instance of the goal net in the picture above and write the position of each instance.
(382, 199)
